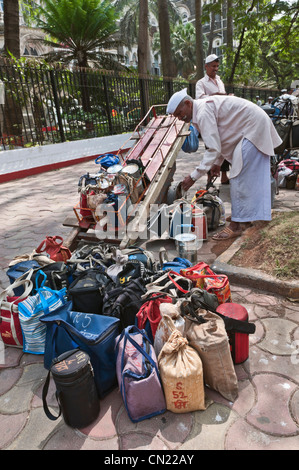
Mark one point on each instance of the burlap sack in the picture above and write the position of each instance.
(211, 342)
(181, 374)
(170, 320)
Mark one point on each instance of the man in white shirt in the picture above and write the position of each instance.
(239, 131)
(211, 84)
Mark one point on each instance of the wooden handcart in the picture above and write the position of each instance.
(158, 138)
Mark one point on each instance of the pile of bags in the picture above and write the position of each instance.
(103, 316)
(288, 171)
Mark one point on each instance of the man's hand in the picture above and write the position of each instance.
(215, 170)
(187, 183)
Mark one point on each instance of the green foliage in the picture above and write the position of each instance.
(82, 31)
(183, 38)
(270, 47)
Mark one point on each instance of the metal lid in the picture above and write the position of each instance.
(185, 237)
(131, 168)
(114, 169)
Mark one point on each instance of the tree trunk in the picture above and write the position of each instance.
(168, 65)
(12, 28)
(229, 25)
(211, 35)
(229, 32)
(143, 38)
(199, 40)
(12, 125)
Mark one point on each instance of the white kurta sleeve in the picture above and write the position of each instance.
(200, 90)
(207, 124)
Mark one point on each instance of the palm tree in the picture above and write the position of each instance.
(165, 11)
(81, 31)
(184, 48)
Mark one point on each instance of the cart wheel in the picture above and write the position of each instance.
(174, 192)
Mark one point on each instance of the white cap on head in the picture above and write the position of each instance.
(175, 100)
(211, 58)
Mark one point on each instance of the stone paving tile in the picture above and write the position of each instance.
(105, 426)
(10, 357)
(66, 438)
(243, 436)
(8, 378)
(34, 434)
(271, 413)
(209, 429)
(262, 361)
(10, 427)
(278, 337)
(32, 376)
(171, 429)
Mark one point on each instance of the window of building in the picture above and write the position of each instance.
(29, 50)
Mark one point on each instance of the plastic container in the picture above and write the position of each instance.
(187, 245)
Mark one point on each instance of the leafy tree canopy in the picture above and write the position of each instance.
(81, 31)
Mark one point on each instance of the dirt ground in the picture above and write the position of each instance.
(269, 247)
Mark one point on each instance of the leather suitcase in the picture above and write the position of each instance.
(239, 342)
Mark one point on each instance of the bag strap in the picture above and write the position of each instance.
(197, 267)
(44, 398)
(231, 324)
(175, 283)
(42, 289)
(8, 292)
(50, 242)
(127, 337)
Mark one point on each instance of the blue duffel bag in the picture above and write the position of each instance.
(95, 334)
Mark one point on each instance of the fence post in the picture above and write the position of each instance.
(143, 97)
(57, 107)
(169, 86)
(192, 89)
(108, 109)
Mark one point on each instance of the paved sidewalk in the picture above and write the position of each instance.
(264, 417)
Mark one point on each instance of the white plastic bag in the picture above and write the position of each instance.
(170, 320)
(283, 171)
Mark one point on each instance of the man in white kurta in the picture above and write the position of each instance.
(211, 83)
(239, 131)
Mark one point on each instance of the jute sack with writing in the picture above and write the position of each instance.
(210, 340)
(182, 375)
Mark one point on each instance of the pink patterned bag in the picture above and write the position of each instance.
(138, 376)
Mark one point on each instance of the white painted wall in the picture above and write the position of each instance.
(12, 161)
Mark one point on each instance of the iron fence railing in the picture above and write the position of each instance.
(44, 105)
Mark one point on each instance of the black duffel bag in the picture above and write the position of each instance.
(123, 302)
(87, 291)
